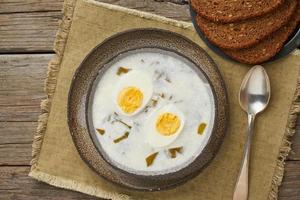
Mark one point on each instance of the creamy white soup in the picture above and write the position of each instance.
(152, 113)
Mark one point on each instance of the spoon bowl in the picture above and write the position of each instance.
(255, 90)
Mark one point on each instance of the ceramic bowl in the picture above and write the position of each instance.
(90, 72)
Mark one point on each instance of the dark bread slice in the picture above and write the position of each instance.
(246, 33)
(267, 48)
(233, 10)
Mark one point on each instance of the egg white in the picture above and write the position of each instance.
(138, 79)
(156, 139)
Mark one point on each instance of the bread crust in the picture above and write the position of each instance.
(246, 33)
(233, 10)
(267, 48)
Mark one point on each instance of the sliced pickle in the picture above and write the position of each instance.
(122, 70)
(100, 131)
(119, 139)
(201, 128)
(173, 151)
(150, 159)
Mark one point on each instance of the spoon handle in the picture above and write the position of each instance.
(241, 188)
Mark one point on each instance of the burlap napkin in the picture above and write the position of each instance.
(56, 161)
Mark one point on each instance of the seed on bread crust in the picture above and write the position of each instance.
(249, 32)
(268, 47)
(233, 10)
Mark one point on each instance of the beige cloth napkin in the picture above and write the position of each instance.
(55, 160)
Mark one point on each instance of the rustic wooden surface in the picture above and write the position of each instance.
(27, 31)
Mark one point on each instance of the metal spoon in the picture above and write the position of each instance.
(254, 98)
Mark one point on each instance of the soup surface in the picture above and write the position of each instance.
(152, 112)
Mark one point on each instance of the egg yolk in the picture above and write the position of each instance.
(167, 124)
(130, 99)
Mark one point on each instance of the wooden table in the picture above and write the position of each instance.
(27, 31)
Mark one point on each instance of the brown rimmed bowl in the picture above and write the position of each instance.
(90, 72)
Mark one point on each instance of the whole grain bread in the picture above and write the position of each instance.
(268, 47)
(233, 10)
(249, 32)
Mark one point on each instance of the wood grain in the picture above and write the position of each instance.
(25, 31)
(22, 86)
(17, 132)
(15, 154)
(290, 189)
(175, 9)
(180, 2)
(19, 6)
(15, 142)
(15, 184)
(8, 6)
(295, 152)
(28, 32)
(29, 27)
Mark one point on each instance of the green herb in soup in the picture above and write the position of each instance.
(119, 139)
(125, 124)
(201, 128)
(154, 102)
(173, 151)
(100, 131)
(150, 159)
(122, 70)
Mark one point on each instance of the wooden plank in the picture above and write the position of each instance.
(9, 6)
(16, 184)
(20, 113)
(17, 132)
(28, 32)
(15, 154)
(290, 188)
(15, 142)
(175, 9)
(295, 153)
(22, 86)
(22, 78)
(180, 2)
(35, 31)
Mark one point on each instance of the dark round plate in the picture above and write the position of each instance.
(292, 43)
(90, 72)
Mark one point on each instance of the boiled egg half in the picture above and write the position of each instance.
(133, 92)
(163, 126)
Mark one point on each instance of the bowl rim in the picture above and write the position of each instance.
(81, 91)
